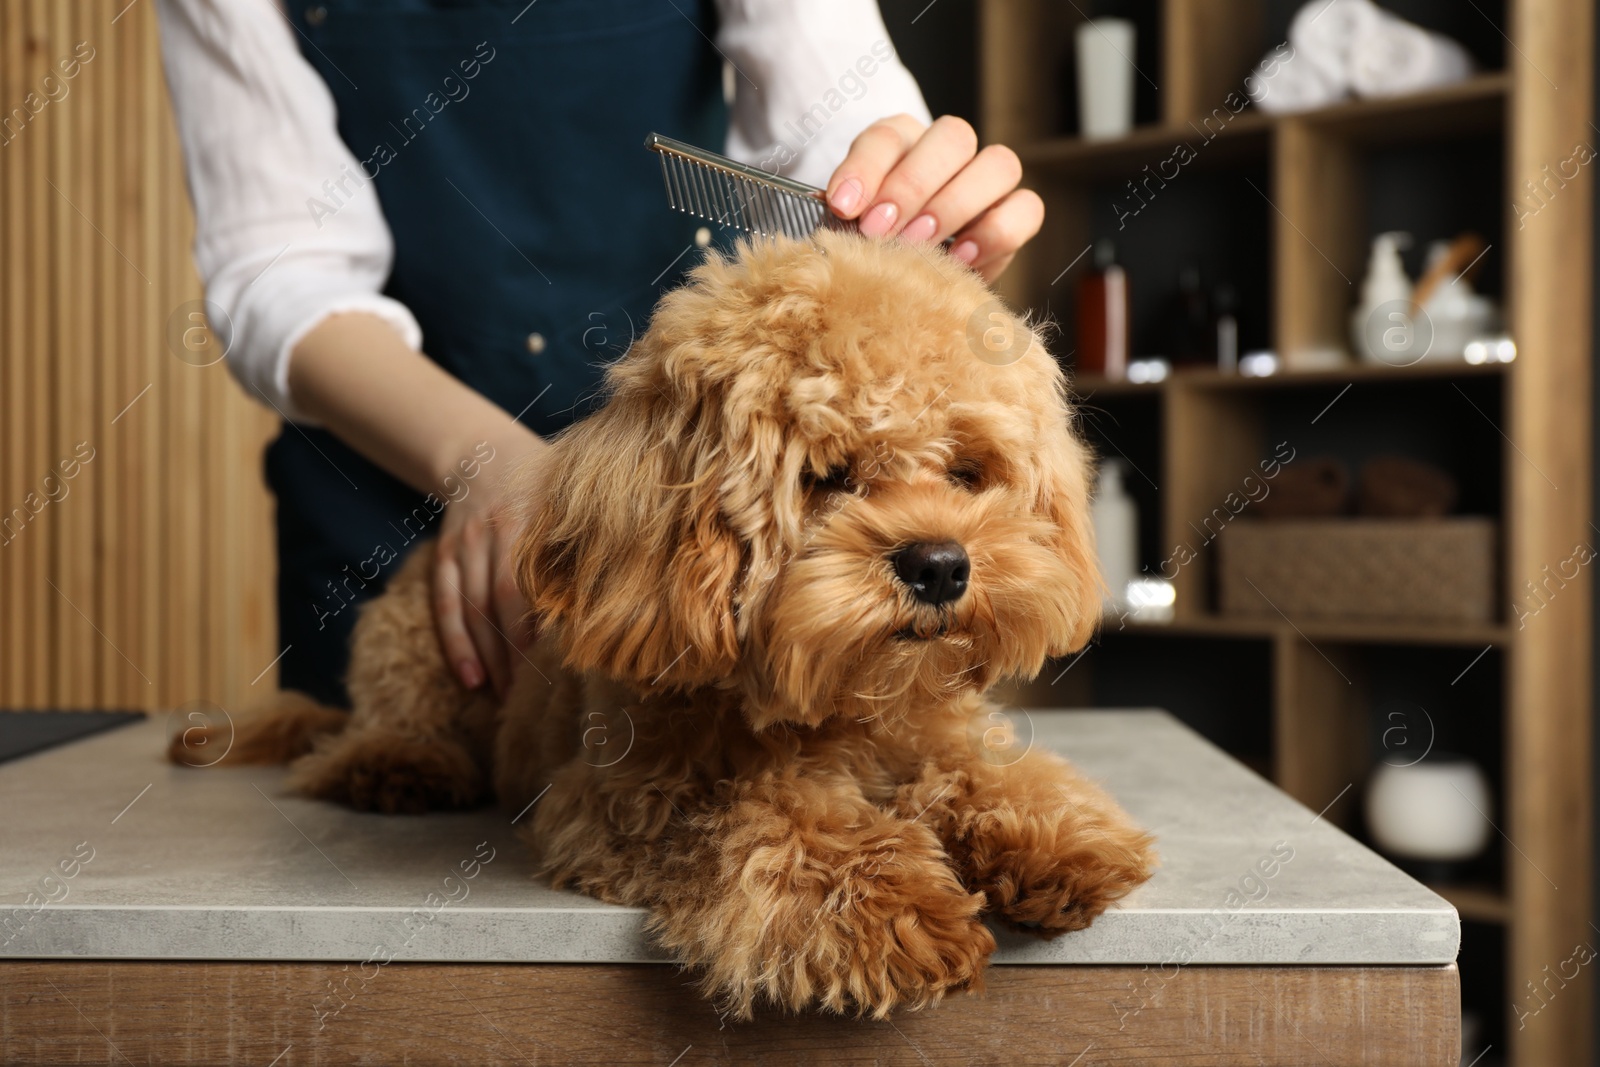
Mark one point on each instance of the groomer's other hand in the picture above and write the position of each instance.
(481, 615)
(929, 183)
(358, 376)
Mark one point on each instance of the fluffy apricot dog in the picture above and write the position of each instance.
(834, 495)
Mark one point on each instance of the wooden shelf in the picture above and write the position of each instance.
(1345, 633)
(1093, 385)
(1476, 105)
(1476, 903)
(1296, 240)
(1473, 106)
(1246, 135)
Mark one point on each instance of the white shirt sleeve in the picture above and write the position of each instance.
(809, 75)
(288, 229)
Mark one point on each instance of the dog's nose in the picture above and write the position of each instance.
(935, 572)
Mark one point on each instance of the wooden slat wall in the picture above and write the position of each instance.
(149, 583)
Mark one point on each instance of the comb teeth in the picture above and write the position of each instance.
(721, 190)
(737, 201)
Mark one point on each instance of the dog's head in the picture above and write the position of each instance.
(838, 475)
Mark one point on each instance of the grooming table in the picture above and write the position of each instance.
(208, 917)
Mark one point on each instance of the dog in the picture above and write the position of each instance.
(835, 493)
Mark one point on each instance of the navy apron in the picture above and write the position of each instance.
(531, 232)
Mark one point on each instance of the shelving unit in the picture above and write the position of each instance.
(1471, 106)
(1491, 636)
(1285, 207)
(1089, 386)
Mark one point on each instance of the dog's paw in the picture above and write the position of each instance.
(896, 933)
(1050, 885)
(904, 947)
(894, 947)
(374, 771)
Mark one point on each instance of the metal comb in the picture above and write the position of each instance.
(718, 189)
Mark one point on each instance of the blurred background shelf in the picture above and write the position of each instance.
(1283, 208)
(1088, 385)
(1474, 106)
(1476, 903)
(1367, 633)
(1245, 133)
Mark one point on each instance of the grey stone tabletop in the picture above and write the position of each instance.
(108, 851)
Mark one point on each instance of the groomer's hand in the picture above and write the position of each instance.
(927, 183)
(356, 375)
(481, 615)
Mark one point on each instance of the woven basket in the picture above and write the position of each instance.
(1393, 570)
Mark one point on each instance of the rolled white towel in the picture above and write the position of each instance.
(1324, 33)
(1392, 57)
(1285, 82)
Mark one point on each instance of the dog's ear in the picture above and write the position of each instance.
(627, 556)
(1062, 496)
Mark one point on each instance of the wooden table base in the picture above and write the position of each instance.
(293, 1014)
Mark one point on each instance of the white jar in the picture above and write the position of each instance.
(1437, 809)
(1105, 77)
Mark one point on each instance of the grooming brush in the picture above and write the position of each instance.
(722, 190)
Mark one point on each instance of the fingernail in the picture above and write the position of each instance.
(966, 251)
(880, 220)
(471, 674)
(847, 197)
(921, 228)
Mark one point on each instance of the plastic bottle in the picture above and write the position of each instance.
(1116, 530)
(1103, 315)
(1225, 320)
(1381, 328)
(1191, 342)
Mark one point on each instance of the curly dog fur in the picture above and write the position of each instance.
(805, 807)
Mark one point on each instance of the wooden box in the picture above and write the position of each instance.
(1391, 570)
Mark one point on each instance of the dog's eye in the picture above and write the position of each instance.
(837, 480)
(967, 474)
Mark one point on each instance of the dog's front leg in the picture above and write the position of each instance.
(1048, 848)
(799, 893)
